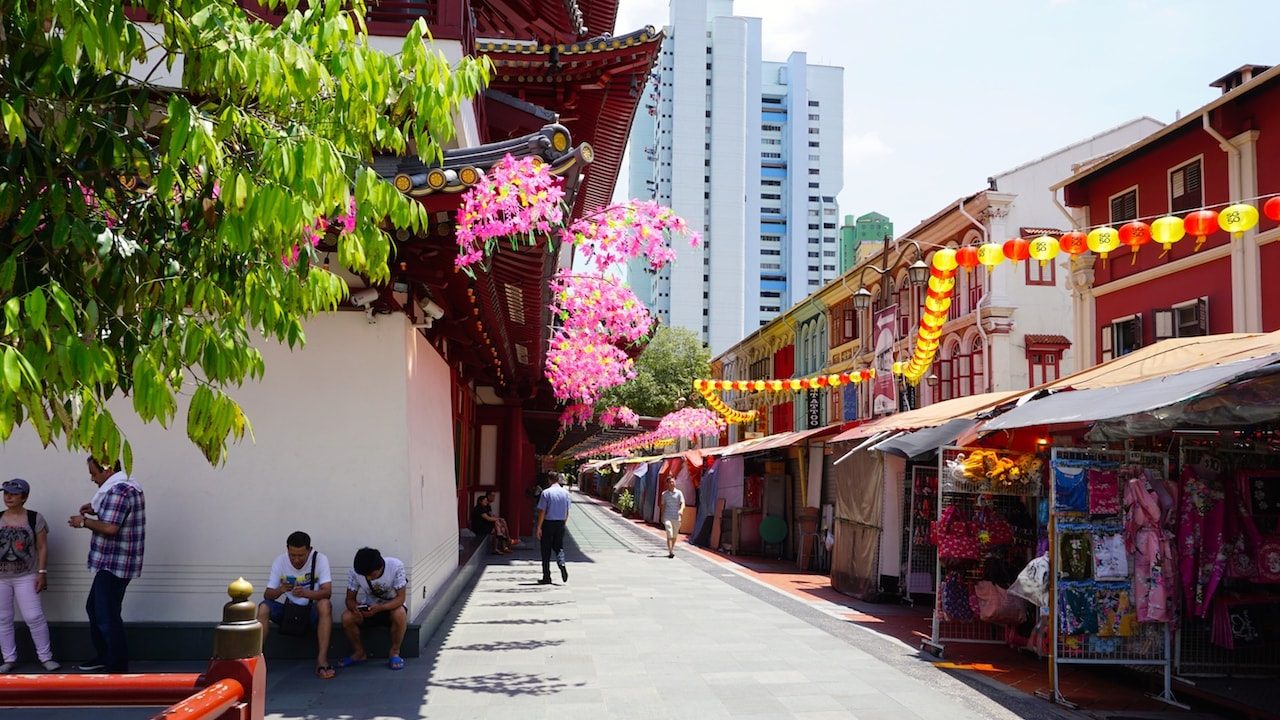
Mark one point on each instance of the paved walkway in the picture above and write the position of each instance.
(633, 634)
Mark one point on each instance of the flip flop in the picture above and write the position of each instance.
(325, 672)
(396, 662)
(350, 660)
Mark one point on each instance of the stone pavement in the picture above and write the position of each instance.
(632, 634)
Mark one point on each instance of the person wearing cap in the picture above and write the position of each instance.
(119, 525)
(24, 559)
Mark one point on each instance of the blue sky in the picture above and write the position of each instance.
(941, 94)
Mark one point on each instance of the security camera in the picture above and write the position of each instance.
(365, 297)
(433, 311)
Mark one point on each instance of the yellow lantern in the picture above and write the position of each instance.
(945, 259)
(1044, 249)
(775, 385)
(938, 305)
(930, 334)
(833, 380)
(794, 384)
(1238, 219)
(990, 254)
(1103, 240)
(1167, 231)
(758, 385)
(941, 286)
(897, 368)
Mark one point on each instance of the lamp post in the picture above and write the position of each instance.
(917, 276)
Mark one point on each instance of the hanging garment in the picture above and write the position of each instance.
(957, 599)
(1032, 584)
(1110, 558)
(1104, 492)
(1117, 616)
(1077, 614)
(1075, 556)
(1200, 537)
(1070, 488)
(1152, 549)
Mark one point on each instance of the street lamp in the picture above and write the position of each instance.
(932, 380)
(862, 299)
(917, 274)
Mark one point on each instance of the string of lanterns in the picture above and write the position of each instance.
(708, 389)
(937, 301)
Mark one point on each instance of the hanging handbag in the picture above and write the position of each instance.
(956, 598)
(295, 619)
(996, 605)
(957, 539)
(993, 529)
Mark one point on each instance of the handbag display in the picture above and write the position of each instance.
(295, 620)
(996, 605)
(956, 537)
(993, 529)
(957, 599)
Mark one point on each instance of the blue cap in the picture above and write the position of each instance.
(17, 486)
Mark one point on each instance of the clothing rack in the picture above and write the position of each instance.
(1149, 645)
(1195, 654)
(919, 556)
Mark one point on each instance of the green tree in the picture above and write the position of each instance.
(665, 372)
(147, 231)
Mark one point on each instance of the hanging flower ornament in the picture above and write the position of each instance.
(575, 414)
(516, 198)
(690, 423)
(597, 303)
(628, 230)
(619, 415)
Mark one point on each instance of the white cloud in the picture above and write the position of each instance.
(860, 148)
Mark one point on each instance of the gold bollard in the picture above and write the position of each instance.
(239, 636)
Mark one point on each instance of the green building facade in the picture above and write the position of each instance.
(869, 228)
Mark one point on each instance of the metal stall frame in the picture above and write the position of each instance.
(1151, 647)
(918, 557)
(953, 491)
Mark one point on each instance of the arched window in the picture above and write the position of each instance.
(962, 371)
(946, 378)
(979, 365)
(960, 295)
(904, 306)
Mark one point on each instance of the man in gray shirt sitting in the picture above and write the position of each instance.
(553, 511)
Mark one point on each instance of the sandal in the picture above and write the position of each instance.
(325, 672)
(350, 660)
(396, 662)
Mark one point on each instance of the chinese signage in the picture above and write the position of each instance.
(849, 402)
(884, 396)
(813, 409)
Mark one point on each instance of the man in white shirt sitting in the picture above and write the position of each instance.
(300, 576)
(377, 587)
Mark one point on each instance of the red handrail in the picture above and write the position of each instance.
(208, 704)
(96, 690)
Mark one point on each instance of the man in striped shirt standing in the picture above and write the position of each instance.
(117, 517)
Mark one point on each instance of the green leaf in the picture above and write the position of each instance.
(35, 306)
(12, 122)
(12, 372)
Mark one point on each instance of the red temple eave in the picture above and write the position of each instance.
(558, 21)
(595, 87)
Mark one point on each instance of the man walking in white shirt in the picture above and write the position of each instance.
(672, 512)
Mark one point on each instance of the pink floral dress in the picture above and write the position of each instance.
(1200, 534)
(1152, 548)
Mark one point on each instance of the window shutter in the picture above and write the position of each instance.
(1135, 325)
(1108, 332)
(1202, 315)
(1164, 324)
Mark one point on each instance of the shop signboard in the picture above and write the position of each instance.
(813, 409)
(884, 390)
(849, 402)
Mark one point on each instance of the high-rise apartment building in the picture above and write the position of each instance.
(748, 152)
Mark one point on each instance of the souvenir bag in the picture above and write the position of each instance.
(993, 529)
(956, 538)
(996, 605)
(1104, 492)
(1032, 584)
(957, 603)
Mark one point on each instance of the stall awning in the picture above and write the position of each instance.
(929, 416)
(927, 440)
(1169, 357)
(1246, 402)
(1105, 403)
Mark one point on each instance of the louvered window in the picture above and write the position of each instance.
(1185, 190)
(1124, 207)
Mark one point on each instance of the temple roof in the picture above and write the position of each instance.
(594, 86)
(544, 20)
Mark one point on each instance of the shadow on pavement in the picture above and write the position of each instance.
(520, 621)
(508, 683)
(526, 603)
(503, 645)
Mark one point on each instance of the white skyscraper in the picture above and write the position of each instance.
(751, 154)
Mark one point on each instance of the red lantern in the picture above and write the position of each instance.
(942, 274)
(1271, 208)
(967, 257)
(1074, 243)
(820, 381)
(1135, 234)
(1017, 249)
(1201, 224)
(804, 383)
(845, 378)
(866, 374)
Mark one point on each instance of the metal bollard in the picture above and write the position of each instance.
(237, 653)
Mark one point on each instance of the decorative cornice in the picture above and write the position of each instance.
(595, 45)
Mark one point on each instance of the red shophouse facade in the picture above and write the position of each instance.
(1127, 302)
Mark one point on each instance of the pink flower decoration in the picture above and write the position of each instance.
(344, 224)
(582, 365)
(576, 414)
(620, 415)
(628, 230)
(690, 423)
(595, 303)
(516, 197)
